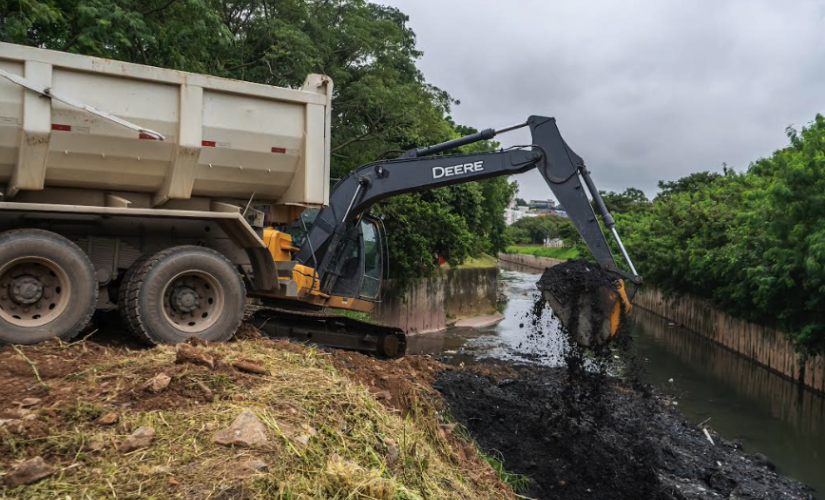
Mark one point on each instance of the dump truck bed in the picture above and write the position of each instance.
(222, 138)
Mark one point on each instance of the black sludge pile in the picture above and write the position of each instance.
(567, 280)
(578, 433)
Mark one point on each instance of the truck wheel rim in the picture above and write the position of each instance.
(192, 301)
(34, 291)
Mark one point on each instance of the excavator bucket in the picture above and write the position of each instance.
(591, 305)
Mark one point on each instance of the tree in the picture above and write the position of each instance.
(688, 184)
(535, 230)
(520, 202)
(628, 200)
(530, 230)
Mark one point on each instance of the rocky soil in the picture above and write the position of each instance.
(253, 418)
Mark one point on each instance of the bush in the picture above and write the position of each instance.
(753, 243)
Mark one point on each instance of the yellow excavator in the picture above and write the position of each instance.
(341, 259)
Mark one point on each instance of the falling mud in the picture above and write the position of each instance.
(579, 432)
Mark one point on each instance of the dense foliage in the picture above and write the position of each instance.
(629, 200)
(753, 242)
(381, 100)
(534, 230)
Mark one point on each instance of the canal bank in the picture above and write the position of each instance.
(431, 304)
(764, 345)
(746, 403)
(532, 261)
(738, 398)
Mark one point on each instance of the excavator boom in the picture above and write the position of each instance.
(419, 170)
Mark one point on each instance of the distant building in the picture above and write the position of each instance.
(560, 212)
(542, 204)
(511, 215)
(546, 207)
(542, 207)
(535, 208)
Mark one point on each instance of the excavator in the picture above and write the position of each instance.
(342, 258)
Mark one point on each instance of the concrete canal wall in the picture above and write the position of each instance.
(428, 305)
(529, 260)
(764, 345)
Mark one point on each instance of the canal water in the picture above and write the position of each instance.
(740, 400)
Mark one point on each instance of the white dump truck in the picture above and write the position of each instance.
(172, 196)
(104, 162)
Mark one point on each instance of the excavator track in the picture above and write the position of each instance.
(330, 330)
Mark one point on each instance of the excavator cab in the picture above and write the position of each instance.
(359, 265)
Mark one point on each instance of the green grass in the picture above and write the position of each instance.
(328, 437)
(481, 261)
(539, 251)
(358, 315)
(518, 482)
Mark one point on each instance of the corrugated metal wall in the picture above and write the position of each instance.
(764, 345)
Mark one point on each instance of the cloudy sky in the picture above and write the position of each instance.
(642, 90)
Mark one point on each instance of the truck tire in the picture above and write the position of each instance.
(48, 287)
(183, 292)
(123, 288)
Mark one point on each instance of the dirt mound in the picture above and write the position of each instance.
(90, 372)
(578, 432)
(247, 331)
(325, 435)
(394, 382)
(639, 447)
(406, 385)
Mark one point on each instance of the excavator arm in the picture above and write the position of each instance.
(420, 170)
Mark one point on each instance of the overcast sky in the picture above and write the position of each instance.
(642, 90)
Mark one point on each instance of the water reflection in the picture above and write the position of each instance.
(767, 413)
(745, 402)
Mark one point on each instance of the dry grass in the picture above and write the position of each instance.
(328, 436)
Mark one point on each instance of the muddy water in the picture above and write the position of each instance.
(512, 339)
(744, 402)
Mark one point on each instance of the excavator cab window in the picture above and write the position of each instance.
(371, 285)
(299, 228)
(360, 262)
